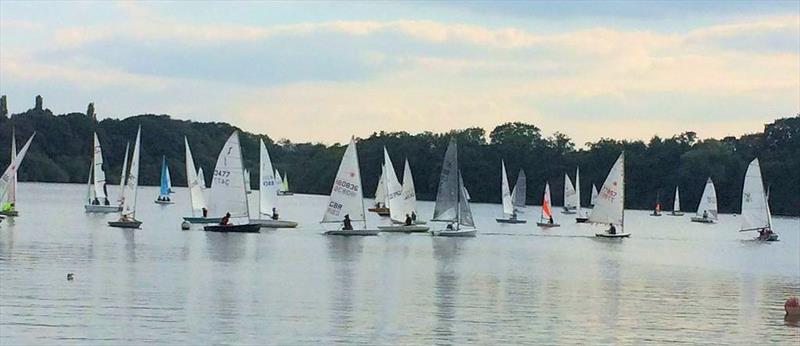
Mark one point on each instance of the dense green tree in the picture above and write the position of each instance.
(61, 153)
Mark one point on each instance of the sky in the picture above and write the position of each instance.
(323, 71)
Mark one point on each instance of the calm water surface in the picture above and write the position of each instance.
(672, 281)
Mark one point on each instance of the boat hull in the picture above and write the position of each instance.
(702, 220)
(511, 221)
(200, 219)
(458, 233)
(581, 219)
(96, 208)
(568, 212)
(164, 202)
(617, 235)
(285, 193)
(404, 229)
(9, 213)
(245, 228)
(655, 214)
(269, 223)
(125, 224)
(675, 214)
(354, 232)
(547, 225)
(771, 237)
(414, 223)
(380, 211)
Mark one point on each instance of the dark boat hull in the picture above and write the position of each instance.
(607, 235)
(511, 221)
(547, 225)
(9, 213)
(581, 219)
(245, 228)
(125, 224)
(701, 220)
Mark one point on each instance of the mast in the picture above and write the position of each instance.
(622, 226)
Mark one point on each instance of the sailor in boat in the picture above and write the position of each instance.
(96, 201)
(705, 214)
(107, 202)
(346, 224)
(205, 212)
(274, 214)
(225, 221)
(612, 229)
(450, 227)
(409, 220)
(413, 217)
(550, 221)
(764, 234)
(513, 216)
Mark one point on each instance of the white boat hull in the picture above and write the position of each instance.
(355, 232)
(404, 229)
(269, 223)
(458, 233)
(418, 222)
(702, 220)
(608, 235)
(99, 208)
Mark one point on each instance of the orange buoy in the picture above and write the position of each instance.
(792, 307)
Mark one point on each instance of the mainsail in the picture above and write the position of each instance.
(267, 189)
(578, 191)
(755, 206)
(676, 204)
(8, 201)
(508, 207)
(278, 180)
(447, 195)
(380, 190)
(132, 182)
(123, 173)
(285, 182)
(569, 193)
(394, 191)
(247, 187)
(609, 207)
(409, 192)
(7, 179)
(464, 211)
(196, 198)
(518, 195)
(227, 193)
(708, 203)
(594, 195)
(165, 184)
(99, 175)
(346, 194)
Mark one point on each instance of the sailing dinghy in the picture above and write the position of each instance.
(166, 186)
(546, 218)
(196, 184)
(399, 213)
(569, 196)
(283, 184)
(96, 196)
(452, 205)
(8, 181)
(657, 209)
(381, 195)
(594, 195)
(409, 197)
(676, 204)
(610, 205)
(707, 209)
(127, 216)
(228, 198)
(346, 204)
(755, 205)
(508, 198)
(268, 195)
(582, 216)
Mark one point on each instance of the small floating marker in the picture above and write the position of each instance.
(70, 276)
(185, 225)
(792, 307)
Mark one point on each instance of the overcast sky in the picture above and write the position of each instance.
(321, 71)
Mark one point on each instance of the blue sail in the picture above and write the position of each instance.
(164, 183)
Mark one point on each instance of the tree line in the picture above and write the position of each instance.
(62, 151)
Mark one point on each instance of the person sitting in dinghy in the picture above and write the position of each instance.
(514, 215)
(346, 224)
(413, 216)
(705, 214)
(225, 221)
(612, 229)
(409, 221)
(274, 214)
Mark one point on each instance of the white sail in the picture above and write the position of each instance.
(519, 193)
(247, 187)
(394, 191)
(708, 203)
(11, 196)
(7, 179)
(278, 181)
(610, 204)
(228, 193)
(505, 194)
(447, 194)
(123, 174)
(569, 193)
(201, 177)
(380, 190)
(578, 191)
(346, 194)
(196, 198)
(676, 204)
(755, 207)
(594, 195)
(464, 211)
(267, 189)
(285, 183)
(99, 175)
(129, 199)
(409, 192)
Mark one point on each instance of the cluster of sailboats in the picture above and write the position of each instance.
(224, 207)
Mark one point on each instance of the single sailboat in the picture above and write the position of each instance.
(676, 204)
(381, 206)
(451, 202)
(96, 196)
(569, 196)
(228, 198)
(582, 216)
(546, 218)
(267, 194)
(755, 205)
(410, 195)
(8, 202)
(594, 195)
(707, 209)
(165, 188)
(127, 216)
(196, 184)
(399, 214)
(610, 206)
(507, 198)
(346, 204)
(8, 180)
(284, 186)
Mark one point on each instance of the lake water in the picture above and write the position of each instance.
(672, 281)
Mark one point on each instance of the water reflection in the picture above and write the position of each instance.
(446, 253)
(226, 247)
(345, 254)
(130, 244)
